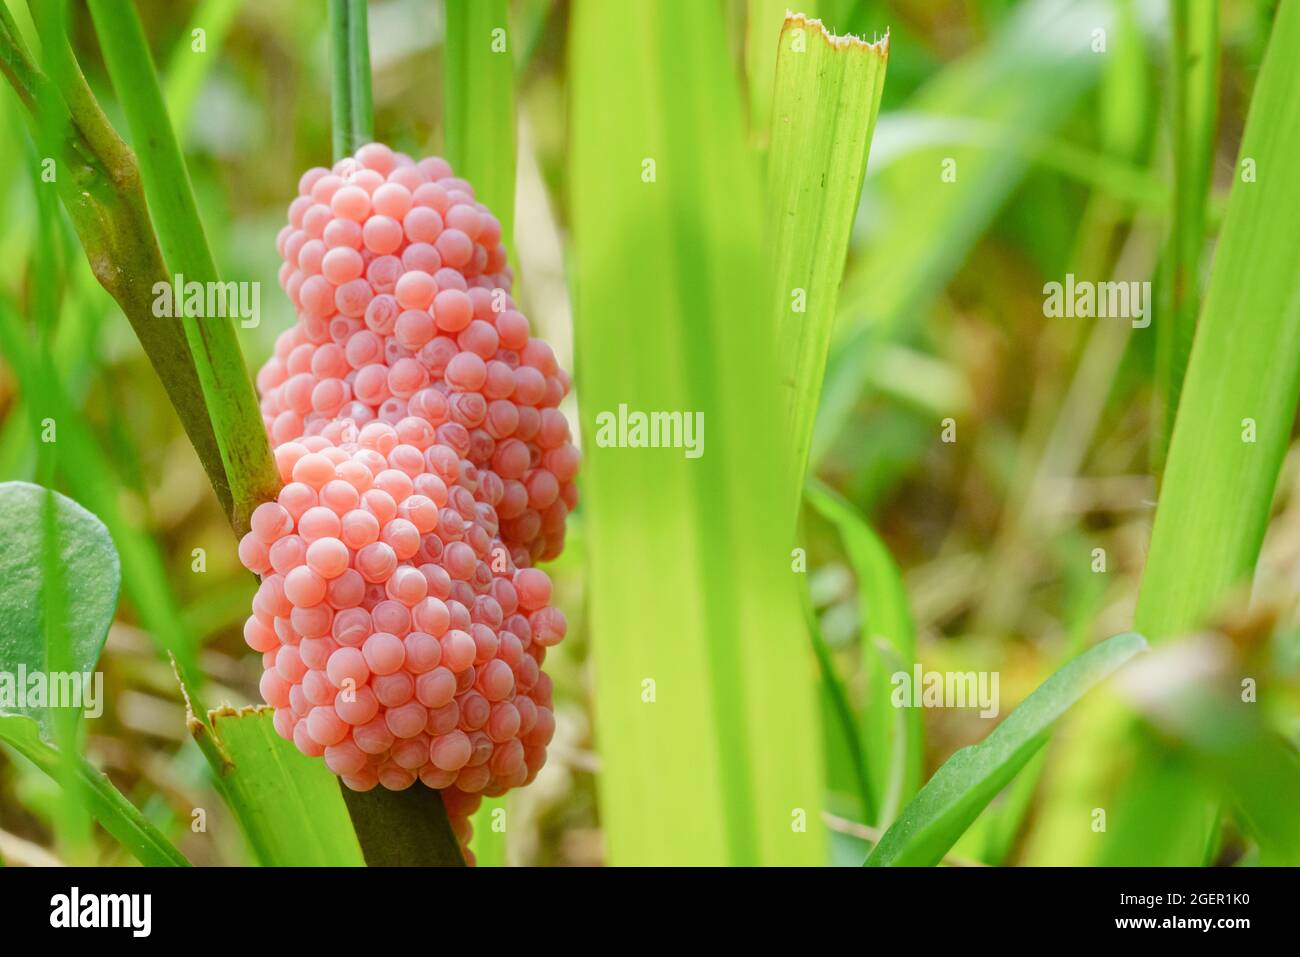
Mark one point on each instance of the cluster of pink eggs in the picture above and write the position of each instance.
(416, 425)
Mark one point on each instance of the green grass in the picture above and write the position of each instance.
(100, 187)
(827, 93)
(117, 815)
(1251, 316)
(1022, 82)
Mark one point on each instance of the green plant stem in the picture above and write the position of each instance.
(99, 183)
(402, 828)
(351, 105)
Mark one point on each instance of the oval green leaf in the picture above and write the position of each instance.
(91, 574)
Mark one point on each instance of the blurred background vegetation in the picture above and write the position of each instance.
(1063, 165)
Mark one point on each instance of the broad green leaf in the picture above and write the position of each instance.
(972, 777)
(227, 387)
(287, 804)
(105, 802)
(90, 568)
(479, 102)
(704, 701)
(892, 737)
(825, 102)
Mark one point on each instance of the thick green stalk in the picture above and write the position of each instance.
(227, 388)
(99, 183)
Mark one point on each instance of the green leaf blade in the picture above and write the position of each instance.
(824, 108)
(892, 737)
(971, 778)
(287, 804)
(1250, 320)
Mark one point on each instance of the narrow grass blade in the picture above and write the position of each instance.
(287, 804)
(972, 777)
(106, 803)
(705, 706)
(835, 704)
(479, 104)
(227, 387)
(1238, 401)
(892, 737)
(1194, 93)
(824, 108)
